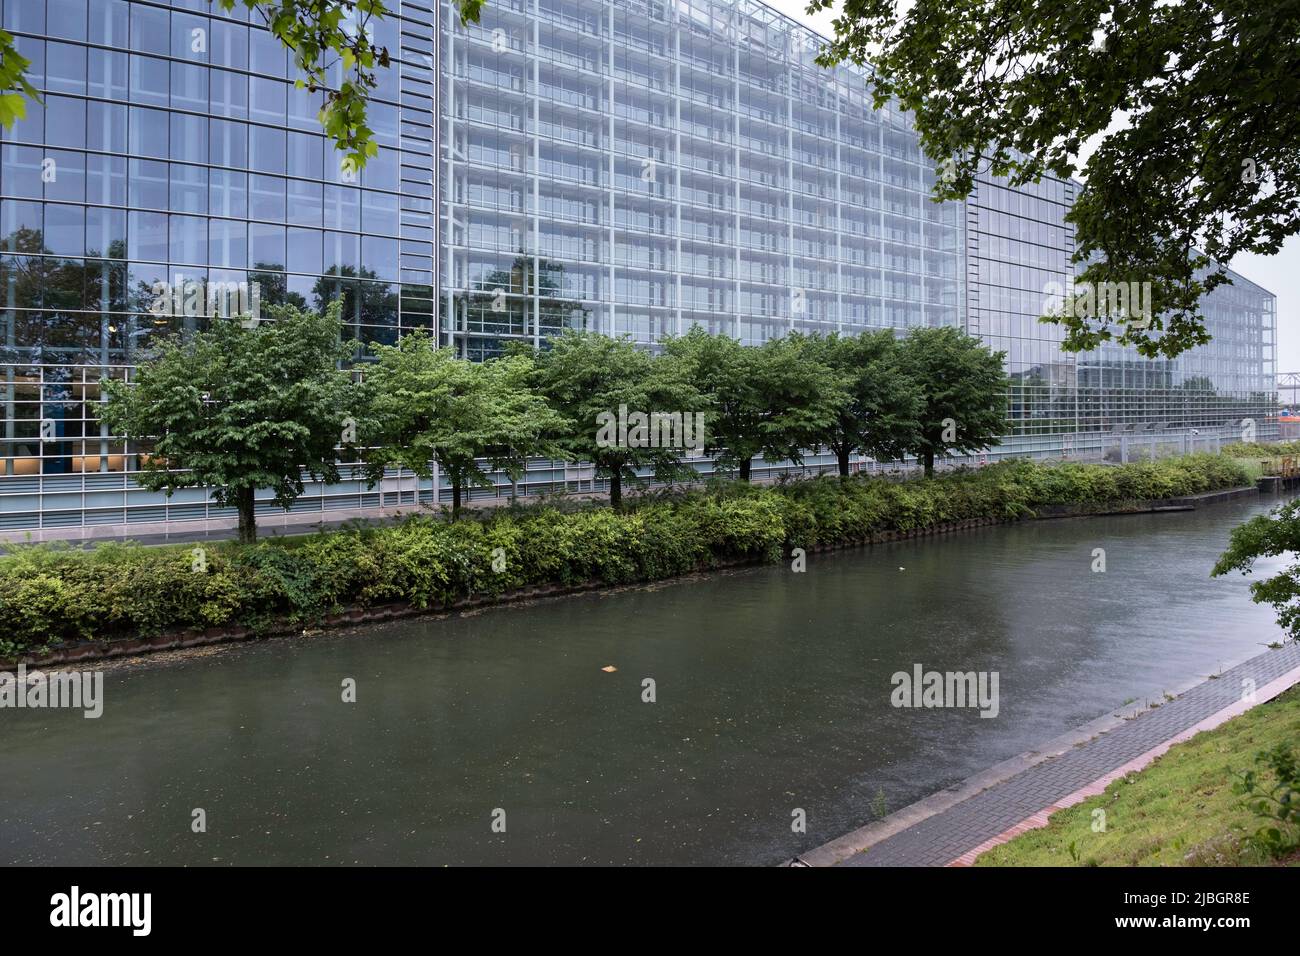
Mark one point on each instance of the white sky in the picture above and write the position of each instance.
(1280, 274)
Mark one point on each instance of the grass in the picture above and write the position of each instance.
(1179, 811)
(1252, 466)
(1262, 459)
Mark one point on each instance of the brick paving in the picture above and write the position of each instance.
(981, 819)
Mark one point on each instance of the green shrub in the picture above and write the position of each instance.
(277, 582)
(54, 593)
(343, 563)
(1276, 801)
(39, 609)
(671, 542)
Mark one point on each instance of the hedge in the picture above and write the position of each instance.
(52, 593)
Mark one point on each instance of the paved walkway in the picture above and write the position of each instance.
(955, 833)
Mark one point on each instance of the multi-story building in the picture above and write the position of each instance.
(1019, 250)
(634, 168)
(172, 147)
(641, 168)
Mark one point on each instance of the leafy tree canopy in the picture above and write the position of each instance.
(239, 407)
(880, 413)
(590, 379)
(422, 404)
(774, 400)
(1269, 536)
(723, 371)
(1203, 166)
(799, 393)
(963, 392)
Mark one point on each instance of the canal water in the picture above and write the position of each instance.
(772, 695)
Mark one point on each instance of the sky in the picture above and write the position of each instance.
(1279, 274)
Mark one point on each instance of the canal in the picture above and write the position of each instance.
(771, 694)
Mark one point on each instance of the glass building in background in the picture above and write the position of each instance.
(634, 168)
(1018, 247)
(642, 168)
(172, 146)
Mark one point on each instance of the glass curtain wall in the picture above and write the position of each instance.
(636, 168)
(173, 152)
(643, 168)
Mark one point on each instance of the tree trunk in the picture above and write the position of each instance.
(843, 456)
(455, 498)
(616, 487)
(929, 463)
(744, 469)
(247, 519)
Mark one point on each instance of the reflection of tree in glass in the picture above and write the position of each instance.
(68, 300)
(1046, 399)
(524, 279)
(365, 300)
(273, 285)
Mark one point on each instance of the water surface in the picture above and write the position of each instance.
(772, 693)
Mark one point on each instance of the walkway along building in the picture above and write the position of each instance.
(633, 168)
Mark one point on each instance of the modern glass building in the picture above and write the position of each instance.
(172, 147)
(1019, 250)
(640, 168)
(633, 168)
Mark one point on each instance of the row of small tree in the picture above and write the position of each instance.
(245, 406)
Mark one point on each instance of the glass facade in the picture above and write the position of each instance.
(172, 147)
(1019, 253)
(642, 168)
(636, 169)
